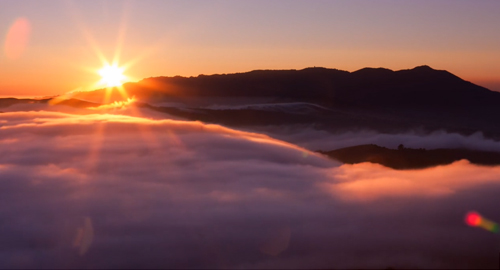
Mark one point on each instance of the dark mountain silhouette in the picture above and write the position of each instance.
(371, 98)
(74, 103)
(407, 158)
(366, 88)
(7, 102)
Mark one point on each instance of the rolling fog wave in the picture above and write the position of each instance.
(314, 139)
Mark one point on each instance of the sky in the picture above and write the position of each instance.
(52, 47)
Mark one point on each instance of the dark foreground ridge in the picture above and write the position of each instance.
(408, 158)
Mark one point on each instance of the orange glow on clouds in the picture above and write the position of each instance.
(366, 182)
(17, 38)
(115, 105)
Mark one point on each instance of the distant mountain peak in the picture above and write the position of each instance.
(373, 71)
(423, 67)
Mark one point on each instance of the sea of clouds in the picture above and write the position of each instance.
(115, 191)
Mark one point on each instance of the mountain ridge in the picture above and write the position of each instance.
(378, 99)
(330, 87)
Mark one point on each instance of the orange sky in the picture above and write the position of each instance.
(51, 47)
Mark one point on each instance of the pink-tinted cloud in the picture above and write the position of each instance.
(368, 181)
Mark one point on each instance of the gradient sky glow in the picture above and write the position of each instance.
(166, 38)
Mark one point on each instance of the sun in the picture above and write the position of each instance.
(112, 75)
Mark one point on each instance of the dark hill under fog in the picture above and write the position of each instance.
(407, 158)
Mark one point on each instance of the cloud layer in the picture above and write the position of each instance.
(313, 139)
(114, 191)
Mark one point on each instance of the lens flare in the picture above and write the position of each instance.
(474, 219)
(17, 38)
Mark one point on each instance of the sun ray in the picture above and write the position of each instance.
(95, 146)
(107, 96)
(121, 34)
(122, 92)
(112, 79)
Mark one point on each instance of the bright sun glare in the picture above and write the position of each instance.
(112, 75)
